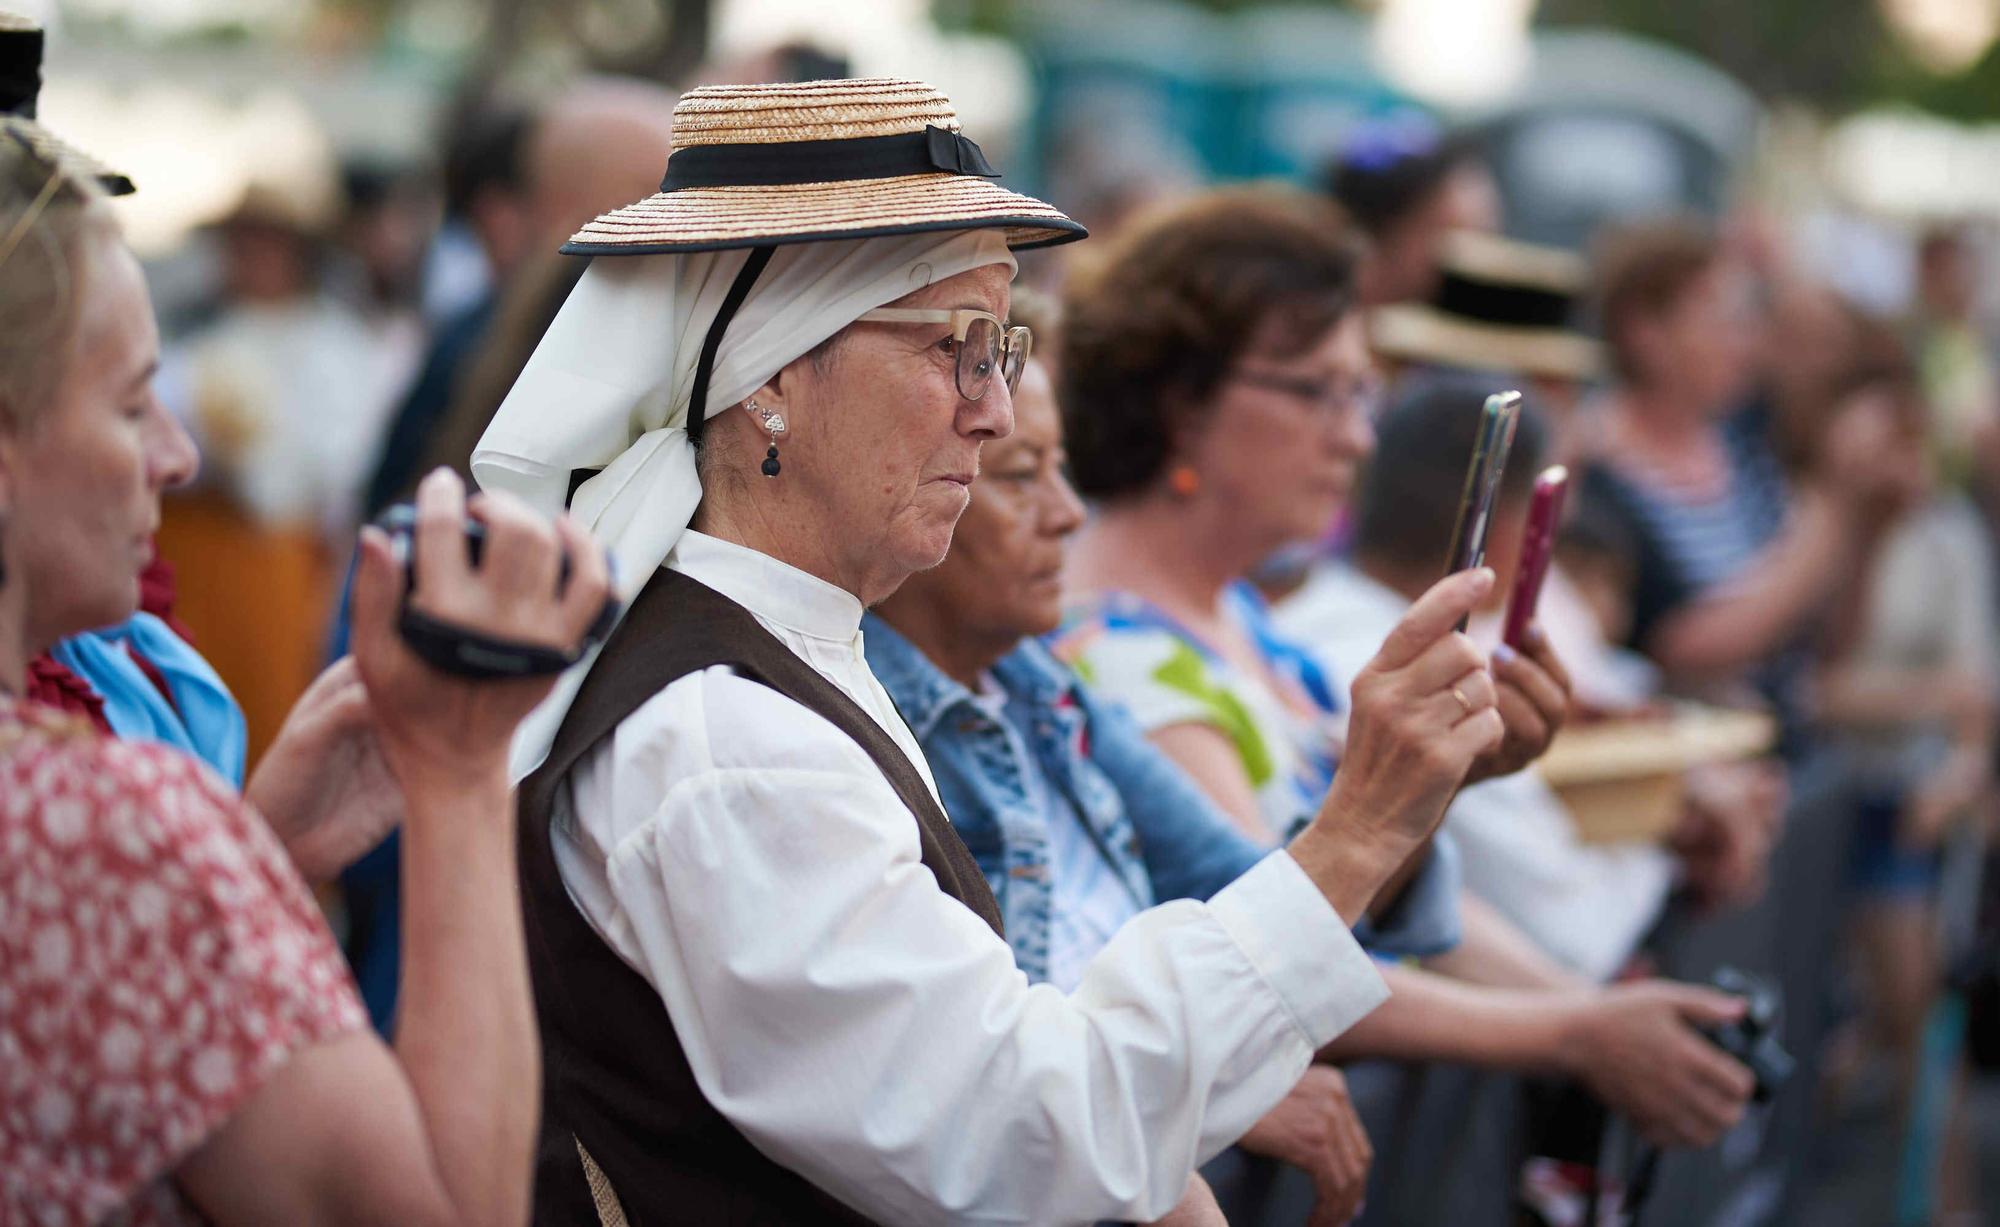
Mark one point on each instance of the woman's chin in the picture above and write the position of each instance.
(925, 548)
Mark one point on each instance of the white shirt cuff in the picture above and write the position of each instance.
(1301, 947)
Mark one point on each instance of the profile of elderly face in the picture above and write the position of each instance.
(85, 470)
(879, 452)
(1002, 580)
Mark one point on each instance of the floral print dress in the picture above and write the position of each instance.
(159, 961)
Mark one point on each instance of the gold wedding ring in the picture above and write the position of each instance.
(1463, 702)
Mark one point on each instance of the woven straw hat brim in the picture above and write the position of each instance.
(1422, 333)
(51, 148)
(719, 218)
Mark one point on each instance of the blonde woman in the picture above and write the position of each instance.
(183, 1042)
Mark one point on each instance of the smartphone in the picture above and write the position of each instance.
(1537, 544)
(1497, 418)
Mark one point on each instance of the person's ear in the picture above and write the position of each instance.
(782, 394)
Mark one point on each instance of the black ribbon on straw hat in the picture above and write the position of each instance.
(739, 290)
(928, 152)
(1515, 304)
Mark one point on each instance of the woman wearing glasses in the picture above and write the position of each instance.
(770, 976)
(1218, 398)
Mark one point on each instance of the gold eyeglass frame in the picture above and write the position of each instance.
(1013, 337)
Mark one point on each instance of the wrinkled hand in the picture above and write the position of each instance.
(1635, 1046)
(1197, 1208)
(434, 726)
(1316, 1129)
(323, 784)
(1533, 690)
(1423, 710)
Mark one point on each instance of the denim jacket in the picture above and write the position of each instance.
(1160, 832)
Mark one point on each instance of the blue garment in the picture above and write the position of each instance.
(1163, 835)
(202, 720)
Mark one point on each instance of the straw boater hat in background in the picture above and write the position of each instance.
(21, 42)
(787, 212)
(1500, 305)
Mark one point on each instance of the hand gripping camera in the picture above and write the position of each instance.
(467, 653)
(1753, 1039)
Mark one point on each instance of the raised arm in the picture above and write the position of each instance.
(441, 1129)
(872, 1034)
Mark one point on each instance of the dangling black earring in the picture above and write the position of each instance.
(774, 423)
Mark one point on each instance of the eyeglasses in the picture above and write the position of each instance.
(982, 343)
(1343, 396)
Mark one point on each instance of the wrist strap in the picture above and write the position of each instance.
(453, 649)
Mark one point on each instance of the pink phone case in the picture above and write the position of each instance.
(1544, 516)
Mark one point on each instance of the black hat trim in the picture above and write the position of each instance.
(1490, 302)
(928, 152)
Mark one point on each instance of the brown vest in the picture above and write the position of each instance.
(627, 1135)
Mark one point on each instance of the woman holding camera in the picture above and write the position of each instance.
(183, 1041)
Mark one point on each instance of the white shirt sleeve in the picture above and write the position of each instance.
(866, 1030)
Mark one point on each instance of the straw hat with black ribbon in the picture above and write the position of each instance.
(1500, 305)
(21, 45)
(787, 211)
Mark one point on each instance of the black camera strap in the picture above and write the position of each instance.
(464, 653)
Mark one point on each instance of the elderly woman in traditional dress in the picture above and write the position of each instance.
(769, 974)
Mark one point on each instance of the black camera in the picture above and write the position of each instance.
(1753, 1038)
(467, 653)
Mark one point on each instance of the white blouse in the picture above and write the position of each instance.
(868, 1031)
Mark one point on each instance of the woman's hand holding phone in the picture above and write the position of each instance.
(1532, 693)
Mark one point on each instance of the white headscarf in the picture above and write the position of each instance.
(607, 388)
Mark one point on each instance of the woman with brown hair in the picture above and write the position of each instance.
(183, 1041)
(1219, 401)
(1734, 560)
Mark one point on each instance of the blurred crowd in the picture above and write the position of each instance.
(1761, 685)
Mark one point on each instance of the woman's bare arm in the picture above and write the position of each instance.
(1732, 628)
(1205, 753)
(442, 1130)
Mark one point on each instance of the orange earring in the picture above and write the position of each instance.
(1183, 480)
